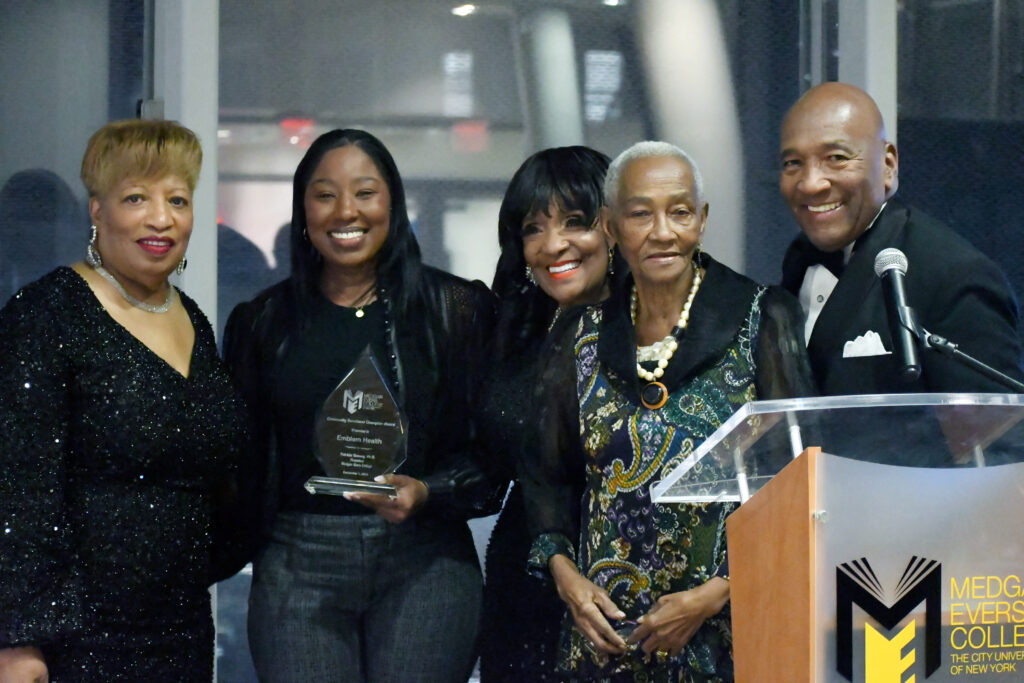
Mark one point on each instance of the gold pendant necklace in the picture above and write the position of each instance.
(364, 300)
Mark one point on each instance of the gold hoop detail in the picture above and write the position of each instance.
(658, 398)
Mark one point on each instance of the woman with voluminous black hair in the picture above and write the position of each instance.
(553, 256)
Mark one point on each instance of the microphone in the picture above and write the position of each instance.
(891, 267)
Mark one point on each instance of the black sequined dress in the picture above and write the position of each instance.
(109, 464)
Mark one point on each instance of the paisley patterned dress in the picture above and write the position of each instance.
(634, 549)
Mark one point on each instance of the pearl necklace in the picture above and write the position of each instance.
(655, 394)
(137, 303)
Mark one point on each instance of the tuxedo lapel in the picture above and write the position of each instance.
(856, 300)
(800, 256)
(794, 267)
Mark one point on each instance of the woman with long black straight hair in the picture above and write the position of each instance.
(366, 586)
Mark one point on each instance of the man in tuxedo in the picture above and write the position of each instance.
(839, 176)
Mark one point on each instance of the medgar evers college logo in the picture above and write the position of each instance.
(356, 400)
(887, 658)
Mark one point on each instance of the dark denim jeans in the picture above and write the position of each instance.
(358, 599)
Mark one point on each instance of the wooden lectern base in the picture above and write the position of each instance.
(773, 632)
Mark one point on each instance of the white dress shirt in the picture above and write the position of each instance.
(819, 282)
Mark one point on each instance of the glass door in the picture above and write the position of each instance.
(67, 69)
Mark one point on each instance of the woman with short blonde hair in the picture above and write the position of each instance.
(119, 430)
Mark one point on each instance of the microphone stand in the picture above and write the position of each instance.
(948, 348)
(927, 340)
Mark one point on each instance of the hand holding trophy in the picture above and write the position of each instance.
(409, 496)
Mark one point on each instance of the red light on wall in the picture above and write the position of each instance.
(297, 131)
(470, 136)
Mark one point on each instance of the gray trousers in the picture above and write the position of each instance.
(359, 599)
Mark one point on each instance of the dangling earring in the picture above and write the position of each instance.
(92, 254)
(529, 275)
(611, 259)
(181, 266)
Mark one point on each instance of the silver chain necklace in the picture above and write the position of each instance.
(149, 308)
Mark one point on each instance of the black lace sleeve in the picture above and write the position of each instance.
(459, 487)
(783, 371)
(552, 473)
(783, 368)
(40, 591)
(257, 491)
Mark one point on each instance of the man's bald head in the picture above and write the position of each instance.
(837, 167)
(842, 99)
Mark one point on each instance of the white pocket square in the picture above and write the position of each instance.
(867, 344)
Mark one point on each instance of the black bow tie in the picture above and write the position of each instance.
(801, 255)
(833, 260)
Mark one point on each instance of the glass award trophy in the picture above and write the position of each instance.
(360, 433)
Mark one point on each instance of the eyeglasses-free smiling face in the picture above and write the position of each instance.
(142, 229)
(568, 256)
(836, 167)
(658, 220)
(348, 210)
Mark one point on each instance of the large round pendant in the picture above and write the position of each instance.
(654, 395)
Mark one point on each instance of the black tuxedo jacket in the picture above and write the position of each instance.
(955, 290)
